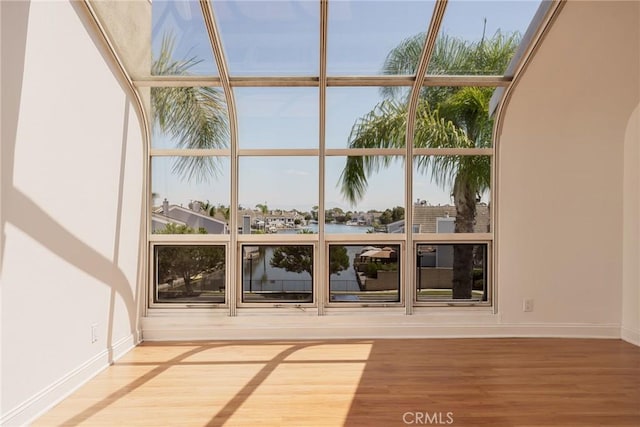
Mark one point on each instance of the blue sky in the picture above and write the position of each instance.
(263, 38)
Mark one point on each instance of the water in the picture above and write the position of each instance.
(258, 274)
(331, 229)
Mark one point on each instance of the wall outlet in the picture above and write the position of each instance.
(94, 333)
(527, 305)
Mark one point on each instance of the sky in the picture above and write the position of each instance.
(266, 38)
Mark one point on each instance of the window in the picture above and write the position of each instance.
(452, 272)
(364, 274)
(277, 274)
(335, 154)
(192, 274)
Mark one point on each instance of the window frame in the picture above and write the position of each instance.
(152, 270)
(409, 241)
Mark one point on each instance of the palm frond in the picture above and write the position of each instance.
(468, 110)
(383, 127)
(402, 60)
(195, 117)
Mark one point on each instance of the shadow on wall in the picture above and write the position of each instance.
(19, 210)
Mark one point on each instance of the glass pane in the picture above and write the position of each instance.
(274, 273)
(357, 206)
(179, 39)
(462, 121)
(266, 38)
(437, 208)
(480, 37)
(362, 33)
(348, 106)
(183, 206)
(448, 272)
(278, 183)
(262, 220)
(189, 117)
(364, 273)
(277, 117)
(189, 274)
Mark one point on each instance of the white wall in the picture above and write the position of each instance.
(562, 165)
(70, 225)
(631, 217)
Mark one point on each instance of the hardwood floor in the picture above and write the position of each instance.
(460, 382)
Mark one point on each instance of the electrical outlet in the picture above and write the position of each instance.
(94, 333)
(527, 305)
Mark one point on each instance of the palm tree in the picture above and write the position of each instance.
(263, 209)
(447, 117)
(225, 211)
(195, 117)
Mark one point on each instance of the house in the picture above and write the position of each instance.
(196, 218)
(426, 219)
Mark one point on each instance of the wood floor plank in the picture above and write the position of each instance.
(461, 382)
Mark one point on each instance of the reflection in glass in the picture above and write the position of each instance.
(189, 274)
(181, 22)
(180, 206)
(451, 194)
(277, 117)
(364, 274)
(267, 38)
(448, 272)
(275, 274)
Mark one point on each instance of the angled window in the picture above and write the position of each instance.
(326, 155)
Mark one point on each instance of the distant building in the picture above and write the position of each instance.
(195, 218)
(440, 219)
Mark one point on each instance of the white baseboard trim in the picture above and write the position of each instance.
(630, 335)
(259, 328)
(50, 396)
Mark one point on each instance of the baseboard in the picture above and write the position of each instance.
(630, 335)
(170, 329)
(50, 396)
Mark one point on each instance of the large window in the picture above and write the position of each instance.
(319, 156)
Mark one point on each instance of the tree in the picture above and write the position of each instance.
(195, 117)
(225, 211)
(391, 215)
(447, 117)
(187, 262)
(207, 207)
(264, 210)
(338, 259)
(299, 259)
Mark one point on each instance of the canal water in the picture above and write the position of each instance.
(259, 275)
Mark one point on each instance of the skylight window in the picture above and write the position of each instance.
(362, 33)
(180, 23)
(269, 38)
(484, 27)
